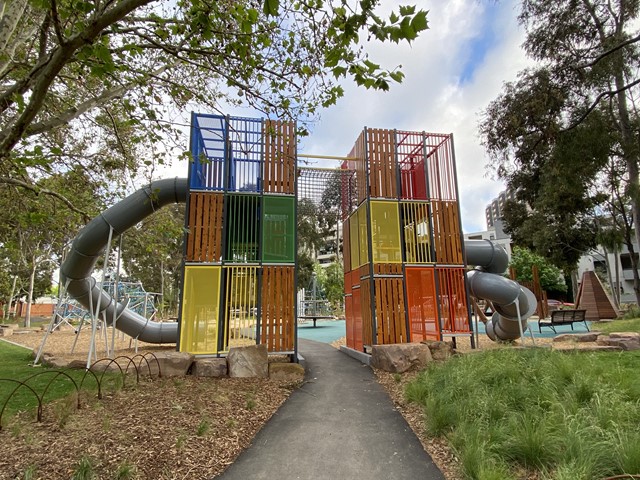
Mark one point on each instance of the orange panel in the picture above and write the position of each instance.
(382, 163)
(421, 301)
(453, 300)
(357, 320)
(277, 319)
(441, 167)
(446, 233)
(390, 311)
(204, 241)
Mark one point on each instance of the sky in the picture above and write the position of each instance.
(452, 72)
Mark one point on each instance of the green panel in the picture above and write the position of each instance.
(353, 241)
(278, 230)
(363, 237)
(200, 310)
(385, 232)
(243, 219)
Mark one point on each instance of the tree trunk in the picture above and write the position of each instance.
(161, 288)
(13, 291)
(32, 281)
(615, 288)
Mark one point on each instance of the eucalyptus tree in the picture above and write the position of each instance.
(554, 132)
(99, 83)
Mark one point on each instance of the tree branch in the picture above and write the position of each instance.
(59, 57)
(44, 191)
(609, 52)
(595, 103)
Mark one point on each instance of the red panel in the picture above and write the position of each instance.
(453, 300)
(421, 300)
(348, 311)
(357, 320)
(410, 147)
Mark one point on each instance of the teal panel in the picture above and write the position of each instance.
(278, 229)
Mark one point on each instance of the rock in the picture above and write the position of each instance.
(77, 364)
(56, 362)
(399, 358)
(286, 372)
(172, 364)
(577, 337)
(603, 340)
(625, 343)
(6, 331)
(440, 350)
(249, 361)
(209, 367)
(630, 335)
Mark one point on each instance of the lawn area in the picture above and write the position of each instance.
(14, 365)
(632, 325)
(551, 415)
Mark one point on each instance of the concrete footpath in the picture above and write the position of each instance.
(340, 424)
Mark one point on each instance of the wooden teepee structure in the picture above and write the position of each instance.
(593, 298)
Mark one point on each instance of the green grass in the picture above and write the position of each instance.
(632, 325)
(14, 364)
(560, 414)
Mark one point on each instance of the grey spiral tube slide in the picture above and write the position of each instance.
(90, 245)
(512, 302)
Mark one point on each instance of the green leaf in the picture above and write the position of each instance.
(419, 22)
(271, 7)
(407, 10)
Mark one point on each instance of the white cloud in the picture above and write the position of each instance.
(432, 96)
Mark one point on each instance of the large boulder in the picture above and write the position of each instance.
(400, 357)
(172, 364)
(439, 350)
(248, 361)
(209, 367)
(286, 372)
(577, 337)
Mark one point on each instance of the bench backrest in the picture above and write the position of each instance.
(568, 315)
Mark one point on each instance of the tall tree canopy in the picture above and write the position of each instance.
(96, 83)
(555, 134)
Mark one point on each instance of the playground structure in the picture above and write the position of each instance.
(405, 265)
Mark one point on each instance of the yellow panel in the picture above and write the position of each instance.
(363, 236)
(353, 241)
(241, 305)
(385, 232)
(417, 236)
(200, 306)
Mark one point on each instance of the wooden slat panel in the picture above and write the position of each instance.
(278, 308)
(446, 233)
(204, 242)
(280, 156)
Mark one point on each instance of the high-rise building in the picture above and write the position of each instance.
(494, 211)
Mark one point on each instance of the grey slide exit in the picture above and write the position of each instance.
(512, 302)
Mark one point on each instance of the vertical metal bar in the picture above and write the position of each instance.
(367, 205)
(464, 252)
(295, 254)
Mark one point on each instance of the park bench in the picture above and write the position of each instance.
(563, 317)
(315, 318)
